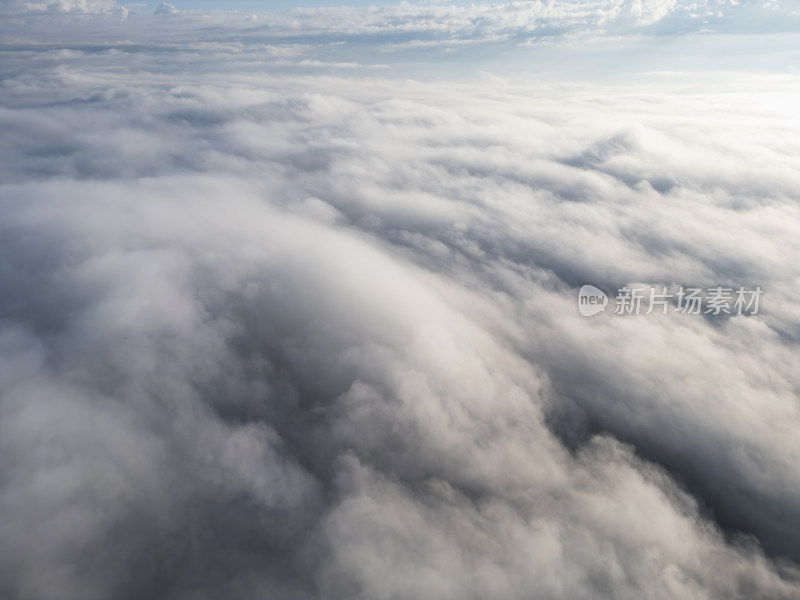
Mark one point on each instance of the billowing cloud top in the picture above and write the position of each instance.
(290, 311)
(166, 9)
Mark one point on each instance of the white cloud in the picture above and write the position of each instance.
(268, 332)
(166, 9)
(523, 21)
(80, 6)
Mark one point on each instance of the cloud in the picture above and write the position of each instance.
(166, 9)
(524, 22)
(67, 6)
(270, 332)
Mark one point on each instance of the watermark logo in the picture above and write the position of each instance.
(591, 300)
(715, 301)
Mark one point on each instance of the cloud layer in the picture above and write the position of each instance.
(267, 331)
(79, 6)
(526, 22)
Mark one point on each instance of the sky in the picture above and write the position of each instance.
(290, 303)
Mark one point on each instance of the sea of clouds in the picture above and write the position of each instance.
(288, 305)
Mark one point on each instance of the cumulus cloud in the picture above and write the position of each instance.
(270, 332)
(166, 9)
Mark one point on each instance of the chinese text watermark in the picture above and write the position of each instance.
(719, 300)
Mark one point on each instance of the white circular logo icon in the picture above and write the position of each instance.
(591, 300)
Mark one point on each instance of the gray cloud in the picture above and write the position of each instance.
(278, 333)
